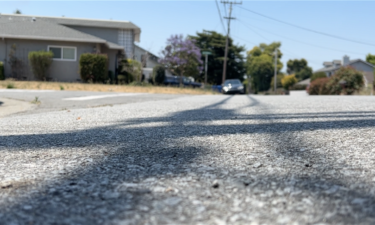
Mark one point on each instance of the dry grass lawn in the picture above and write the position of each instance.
(39, 85)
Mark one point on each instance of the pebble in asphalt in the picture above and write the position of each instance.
(192, 160)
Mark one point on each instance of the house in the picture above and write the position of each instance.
(148, 60)
(366, 68)
(67, 38)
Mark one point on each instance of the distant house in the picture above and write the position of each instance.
(67, 38)
(366, 68)
(148, 60)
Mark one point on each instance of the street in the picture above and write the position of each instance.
(174, 159)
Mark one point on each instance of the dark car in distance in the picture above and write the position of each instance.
(175, 81)
(233, 86)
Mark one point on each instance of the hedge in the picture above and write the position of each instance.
(346, 80)
(2, 75)
(40, 61)
(93, 67)
(319, 86)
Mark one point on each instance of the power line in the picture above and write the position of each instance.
(310, 30)
(318, 46)
(221, 18)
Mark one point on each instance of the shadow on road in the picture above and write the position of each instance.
(109, 188)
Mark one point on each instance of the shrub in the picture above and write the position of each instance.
(346, 80)
(2, 75)
(319, 87)
(93, 67)
(288, 81)
(317, 76)
(40, 61)
(10, 86)
(132, 67)
(158, 75)
(125, 78)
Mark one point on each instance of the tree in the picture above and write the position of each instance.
(318, 75)
(299, 68)
(17, 11)
(279, 77)
(181, 56)
(260, 65)
(370, 59)
(215, 43)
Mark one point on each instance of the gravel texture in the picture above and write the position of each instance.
(193, 160)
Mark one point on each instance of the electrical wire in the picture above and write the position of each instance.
(317, 46)
(221, 18)
(307, 29)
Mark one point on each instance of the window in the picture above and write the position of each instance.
(63, 53)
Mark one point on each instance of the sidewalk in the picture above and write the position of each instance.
(10, 106)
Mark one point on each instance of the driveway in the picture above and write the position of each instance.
(192, 160)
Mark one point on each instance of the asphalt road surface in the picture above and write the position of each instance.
(66, 100)
(192, 160)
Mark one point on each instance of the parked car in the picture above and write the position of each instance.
(233, 86)
(171, 80)
(175, 81)
(189, 82)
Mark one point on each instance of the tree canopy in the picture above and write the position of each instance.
(17, 11)
(215, 42)
(260, 65)
(299, 68)
(370, 59)
(181, 56)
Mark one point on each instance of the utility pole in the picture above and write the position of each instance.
(206, 53)
(227, 39)
(275, 81)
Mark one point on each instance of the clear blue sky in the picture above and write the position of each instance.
(160, 19)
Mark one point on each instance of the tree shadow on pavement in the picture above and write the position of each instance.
(127, 173)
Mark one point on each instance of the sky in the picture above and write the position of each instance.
(159, 20)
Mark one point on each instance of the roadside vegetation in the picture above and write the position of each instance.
(133, 88)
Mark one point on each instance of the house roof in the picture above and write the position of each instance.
(304, 82)
(112, 45)
(332, 68)
(84, 22)
(23, 27)
(137, 46)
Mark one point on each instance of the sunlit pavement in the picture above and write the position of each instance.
(192, 160)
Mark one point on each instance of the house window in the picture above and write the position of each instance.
(63, 53)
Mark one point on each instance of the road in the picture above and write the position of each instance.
(66, 100)
(192, 160)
